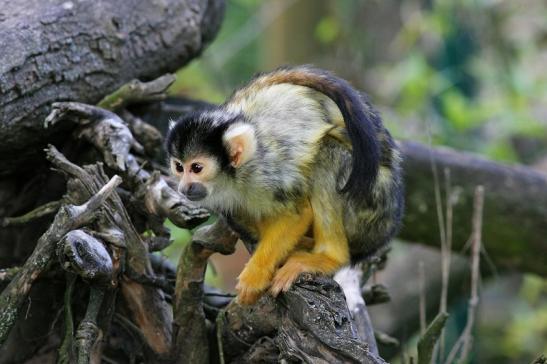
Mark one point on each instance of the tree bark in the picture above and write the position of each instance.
(57, 50)
(515, 205)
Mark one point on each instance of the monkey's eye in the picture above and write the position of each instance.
(179, 167)
(196, 167)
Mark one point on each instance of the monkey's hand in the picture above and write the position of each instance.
(253, 281)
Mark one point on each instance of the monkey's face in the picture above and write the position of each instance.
(195, 176)
(205, 149)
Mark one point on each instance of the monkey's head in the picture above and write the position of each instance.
(205, 148)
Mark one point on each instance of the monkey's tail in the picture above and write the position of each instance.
(361, 120)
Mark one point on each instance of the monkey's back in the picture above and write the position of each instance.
(369, 223)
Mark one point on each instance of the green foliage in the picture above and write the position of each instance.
(327, 30)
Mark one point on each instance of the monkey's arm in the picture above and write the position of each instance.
(278, 237)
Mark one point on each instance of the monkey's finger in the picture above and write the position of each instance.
(284, 279)
(248, 297)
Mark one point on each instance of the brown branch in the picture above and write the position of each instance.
(66, 349)
(88, 330)
(190, 331)
(69, 217)
(515, 215)
(44, 210)
(429, 338)
(309, 323)
(146, 303)
(375, 294)
(102, 128)
(112, 137)
(136, 91)
(464, 341)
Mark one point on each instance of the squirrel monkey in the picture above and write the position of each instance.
(296, 153)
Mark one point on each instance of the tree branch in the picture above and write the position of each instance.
(191, 338)
(69, 217)
(82, 51)
(136, 91)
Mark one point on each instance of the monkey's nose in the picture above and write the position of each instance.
(196, 192)
(181, 188)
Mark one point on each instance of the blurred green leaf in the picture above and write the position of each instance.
(327, 30)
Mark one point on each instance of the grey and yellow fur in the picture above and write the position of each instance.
(295, 152)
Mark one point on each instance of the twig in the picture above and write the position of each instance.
(219, 330)
(130, 327)
(475, 273)
(160, 199)
(100, 127)
(88, 330)
(465, 339)
(7, 274)
(110, 135)
(385, 339)
(65, 350)
(375, 294)
(136, 91)
(438, 205)
(151, 280)
(421, 280)
(44, 210)
(69, 217)
(428, 340)
(190, 331)
(438, 201)
(446, 254)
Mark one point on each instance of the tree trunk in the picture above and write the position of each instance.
(58, 50)
(515, 205)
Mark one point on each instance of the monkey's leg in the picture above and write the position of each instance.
(330, 252)
(278, 237)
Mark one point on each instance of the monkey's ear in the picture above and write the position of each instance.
(240, 140)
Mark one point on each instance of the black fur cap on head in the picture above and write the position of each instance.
(200, 132)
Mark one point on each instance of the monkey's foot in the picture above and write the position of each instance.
(301, 262)
(247, 296)
(285, 276)
(252, 284)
